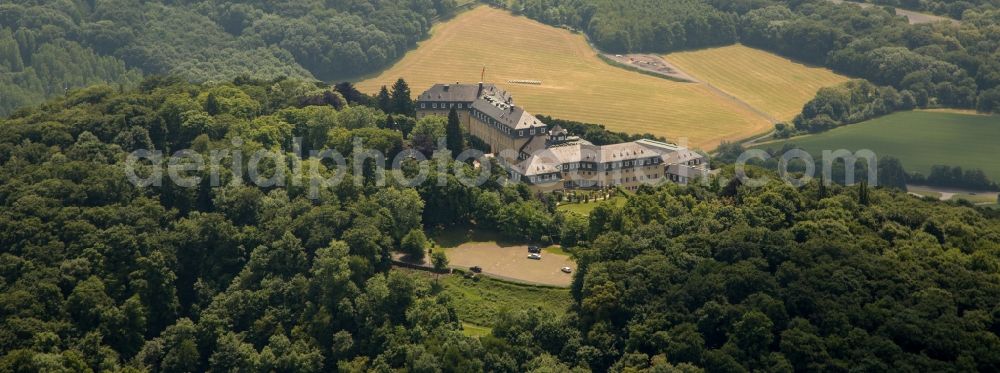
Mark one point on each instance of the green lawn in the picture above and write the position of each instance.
(557, 250)
(585, 208)
(473, 330)
(453, 237)
(920, 139)
(479, 302)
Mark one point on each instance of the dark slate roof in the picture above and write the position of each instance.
(514, 117)
(462, 92)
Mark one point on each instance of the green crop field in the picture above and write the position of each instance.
(576, 83)
(920, 139)
(771, 83)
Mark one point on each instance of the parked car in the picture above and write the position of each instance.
(476, 269)
(567, 270)
(535, 256)
(534, 249)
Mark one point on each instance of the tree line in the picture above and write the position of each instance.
(637, 25)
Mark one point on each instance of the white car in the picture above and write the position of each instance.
(535, 256)
(567, 270)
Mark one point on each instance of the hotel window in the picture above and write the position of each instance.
(451, 105)
(423, 105)
(434, 105)
(459, 106)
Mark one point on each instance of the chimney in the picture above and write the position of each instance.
(480, 92)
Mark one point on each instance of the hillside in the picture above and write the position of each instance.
(920, 139)
(576, 84)
(49, 47)
(102, 274)
(768, 82)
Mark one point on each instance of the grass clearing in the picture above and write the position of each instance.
(585, 208)
(479, 302)
(771, 83)
(919, 139)
(576, 83)
(472, 330)
(556, 250)
(455, 237)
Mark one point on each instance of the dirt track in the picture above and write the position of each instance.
(512, 263)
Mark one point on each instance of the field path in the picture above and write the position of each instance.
(740, 102)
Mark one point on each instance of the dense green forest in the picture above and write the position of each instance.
(638, 25)
(941, 64)
(98, 274)
(47, 47)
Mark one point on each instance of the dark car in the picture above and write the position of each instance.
(476, 269)
(534, 249)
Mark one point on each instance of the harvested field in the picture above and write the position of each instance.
(576, 83)
(770, 83)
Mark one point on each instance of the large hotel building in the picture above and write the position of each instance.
(549, 158)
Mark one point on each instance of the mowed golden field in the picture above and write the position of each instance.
(773, 84)
(576, 83)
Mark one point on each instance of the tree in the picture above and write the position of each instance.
(401, 101)
(864, 197)
(891, 173)
(414, 245)
(384, 101)
(439, 261)
(426, 133)
(212, 104)
(989, 101)
(454, 138)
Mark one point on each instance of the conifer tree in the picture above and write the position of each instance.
(863, 197)
(390, 123)
(822, 187)
(384, 100)
(401, 102)
(212, 104)
(454, 139)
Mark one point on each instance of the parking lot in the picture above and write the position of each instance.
(512, 263)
